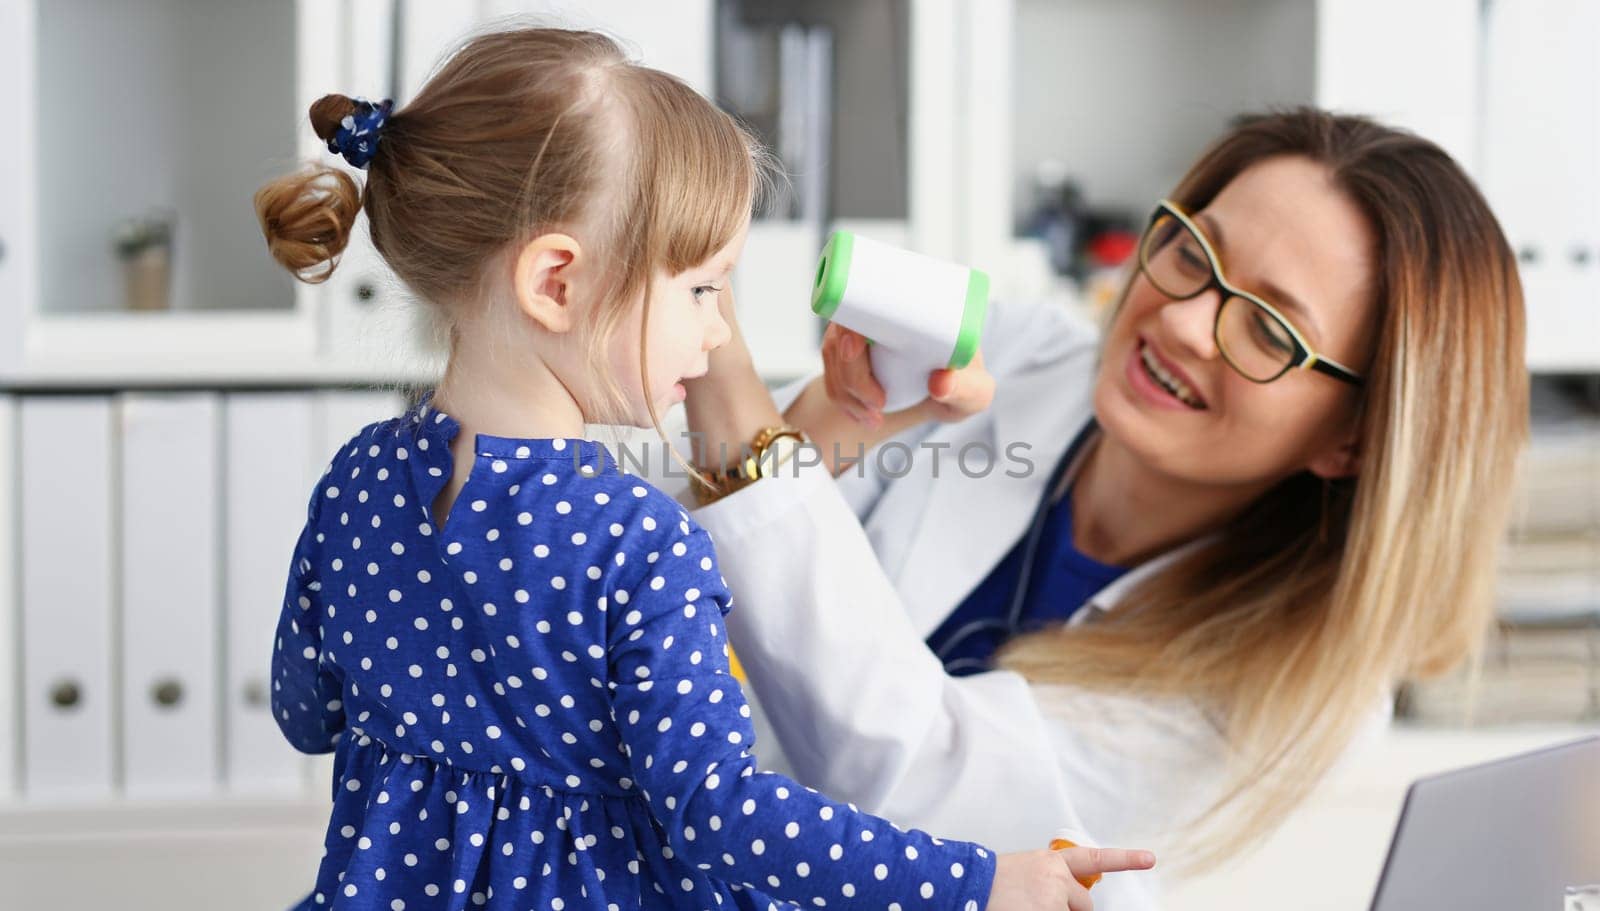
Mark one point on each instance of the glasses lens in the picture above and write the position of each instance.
(1174, 259)
(1254, 341)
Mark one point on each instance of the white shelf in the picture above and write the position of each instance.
(32, 822)
(210, 372)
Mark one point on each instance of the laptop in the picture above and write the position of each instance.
(1510, 835)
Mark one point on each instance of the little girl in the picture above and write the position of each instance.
(517, 650)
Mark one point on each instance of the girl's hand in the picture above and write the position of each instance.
(850, 385)
(1048, 880)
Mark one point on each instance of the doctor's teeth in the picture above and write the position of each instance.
(1172, 384)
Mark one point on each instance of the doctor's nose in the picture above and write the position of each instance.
(1190, 323)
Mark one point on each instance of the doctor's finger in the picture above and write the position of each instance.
(845, 360)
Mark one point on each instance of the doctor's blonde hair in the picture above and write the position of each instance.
(1292, 624)
(522, 131)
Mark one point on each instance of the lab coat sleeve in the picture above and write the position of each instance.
(864, 711)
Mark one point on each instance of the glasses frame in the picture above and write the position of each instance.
(1303, 358)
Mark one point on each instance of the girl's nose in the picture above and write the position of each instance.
(718, 333)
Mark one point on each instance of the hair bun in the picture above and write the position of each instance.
(328, 112)
(351, 126)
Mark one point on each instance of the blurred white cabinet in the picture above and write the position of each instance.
(145, 539)
(168, 506)
(129, 248)
(141, 130)
(1541, 168)
(1127, 95)
(67, 553)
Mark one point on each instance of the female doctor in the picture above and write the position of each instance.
(1272, 489)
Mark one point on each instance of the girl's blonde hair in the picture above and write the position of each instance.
(1293, 623)
(522, 131)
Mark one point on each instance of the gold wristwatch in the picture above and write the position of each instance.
(769, 451)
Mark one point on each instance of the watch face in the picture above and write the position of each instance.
(775, 456)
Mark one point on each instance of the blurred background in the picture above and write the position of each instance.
(168, 394)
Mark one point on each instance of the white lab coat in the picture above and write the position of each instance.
(837, 582)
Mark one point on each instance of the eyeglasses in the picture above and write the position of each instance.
(1254, 338)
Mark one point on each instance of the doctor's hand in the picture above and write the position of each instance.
(842, 410)
(1048, 880)
(847, 377)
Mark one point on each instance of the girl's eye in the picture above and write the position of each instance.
(702, 290)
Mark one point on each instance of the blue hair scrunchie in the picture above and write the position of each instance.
(360, 130)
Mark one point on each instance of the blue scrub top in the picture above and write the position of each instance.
(1062, 581)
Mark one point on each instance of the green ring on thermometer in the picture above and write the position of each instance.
(833, 276)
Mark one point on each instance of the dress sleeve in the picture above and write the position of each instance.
(306, 688)
(687, 733)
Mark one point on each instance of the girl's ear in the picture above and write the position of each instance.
(544, 280)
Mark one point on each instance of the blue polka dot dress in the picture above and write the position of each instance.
(531, 707)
